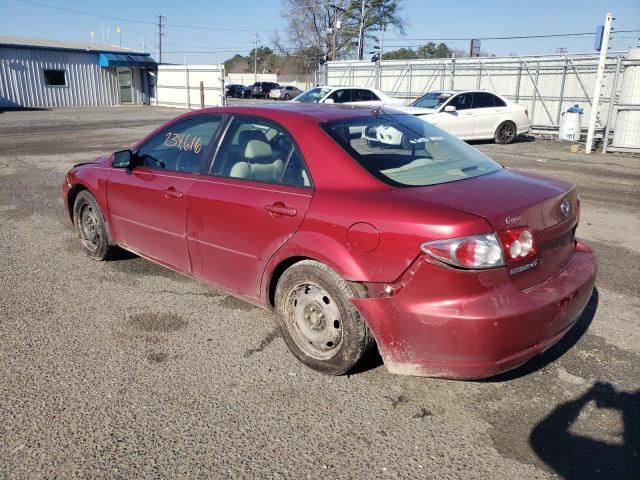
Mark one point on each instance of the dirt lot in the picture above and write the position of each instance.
(123, 369)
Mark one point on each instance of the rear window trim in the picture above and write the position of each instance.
(389, 182)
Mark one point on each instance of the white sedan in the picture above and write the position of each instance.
(349, 96)
(472, 115)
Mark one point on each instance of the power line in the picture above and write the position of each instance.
(514, 37)
(132, 20)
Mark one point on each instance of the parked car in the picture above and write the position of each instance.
(233, 90)
(285, 92)
(262, 89)
(473, 115)
(348, 95)
(456, 266)
(246, 92)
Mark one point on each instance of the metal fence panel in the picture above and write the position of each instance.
(546, 85)
(179, 85)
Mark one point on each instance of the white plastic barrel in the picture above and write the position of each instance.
(570, 127)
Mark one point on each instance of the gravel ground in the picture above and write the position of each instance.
(124, 369)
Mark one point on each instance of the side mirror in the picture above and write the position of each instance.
(122, 159)
(329, 101)
(450, 109)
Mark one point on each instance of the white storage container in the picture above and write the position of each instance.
(570, 127)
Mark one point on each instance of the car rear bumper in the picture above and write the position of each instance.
(442, 322)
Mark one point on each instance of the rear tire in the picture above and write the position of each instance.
(506, 132)
(318, 322)
(90, 226)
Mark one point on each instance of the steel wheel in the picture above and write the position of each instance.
(89, 228)
(506, 132)
(315, 321)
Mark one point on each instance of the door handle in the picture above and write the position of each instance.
(173, 193)
(280, 208)
(469, 113)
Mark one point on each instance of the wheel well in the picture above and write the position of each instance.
(359, 288)
(71, 198)
(277, 273)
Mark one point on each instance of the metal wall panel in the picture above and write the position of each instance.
(22, 80)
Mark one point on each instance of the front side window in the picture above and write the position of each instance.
(404, 151)
(431, 100)
(181, 146)
(54, 78)
(341, 96)
(313, 95)
(462, 101)
(259, 150)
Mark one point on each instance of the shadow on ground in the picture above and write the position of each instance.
(577, 456)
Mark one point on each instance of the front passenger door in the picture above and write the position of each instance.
(147, 201)
(252, 200)
(459, 123)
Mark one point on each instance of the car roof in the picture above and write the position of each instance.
(317, 112)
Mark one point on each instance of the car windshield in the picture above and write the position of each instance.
(405, 151)
(431, 100)
(313, 96)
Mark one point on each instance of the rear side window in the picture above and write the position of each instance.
(259, 150)
(364, 96)
(181, 146)
(483, 100)
(498, 101)
(405, 151)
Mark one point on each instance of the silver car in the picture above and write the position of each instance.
(287, 92)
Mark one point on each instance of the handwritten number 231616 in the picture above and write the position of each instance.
(183, 142)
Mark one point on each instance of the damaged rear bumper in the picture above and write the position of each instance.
(442, 322)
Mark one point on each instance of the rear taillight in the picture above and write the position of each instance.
(518, 243)
(480, 251)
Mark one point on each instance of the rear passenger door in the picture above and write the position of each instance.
(488, 112)
(247, 204)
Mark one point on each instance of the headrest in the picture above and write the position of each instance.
(257, 149)
(246, 136)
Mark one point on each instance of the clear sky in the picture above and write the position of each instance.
(239, 20)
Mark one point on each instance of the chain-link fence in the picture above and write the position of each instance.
(546, 85)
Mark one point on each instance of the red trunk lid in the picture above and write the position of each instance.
(508, 199)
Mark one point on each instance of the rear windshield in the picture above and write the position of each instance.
(403, 150)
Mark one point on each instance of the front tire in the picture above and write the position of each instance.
(318, 322)
(90, 226)
(506, 132)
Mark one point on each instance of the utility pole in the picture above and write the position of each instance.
(160, 35)
(604, 50)
(384, 27)
(334, 29)
(255, 59)
(361, 34)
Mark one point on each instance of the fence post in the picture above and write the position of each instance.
(479, 78)
(453, 71)
(518, 78)
(186, 72)
(612, 101)
(562, 82)
(535, 92)
(201, 94)
(410, 80)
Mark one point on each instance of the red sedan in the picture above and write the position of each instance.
(452, 264)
